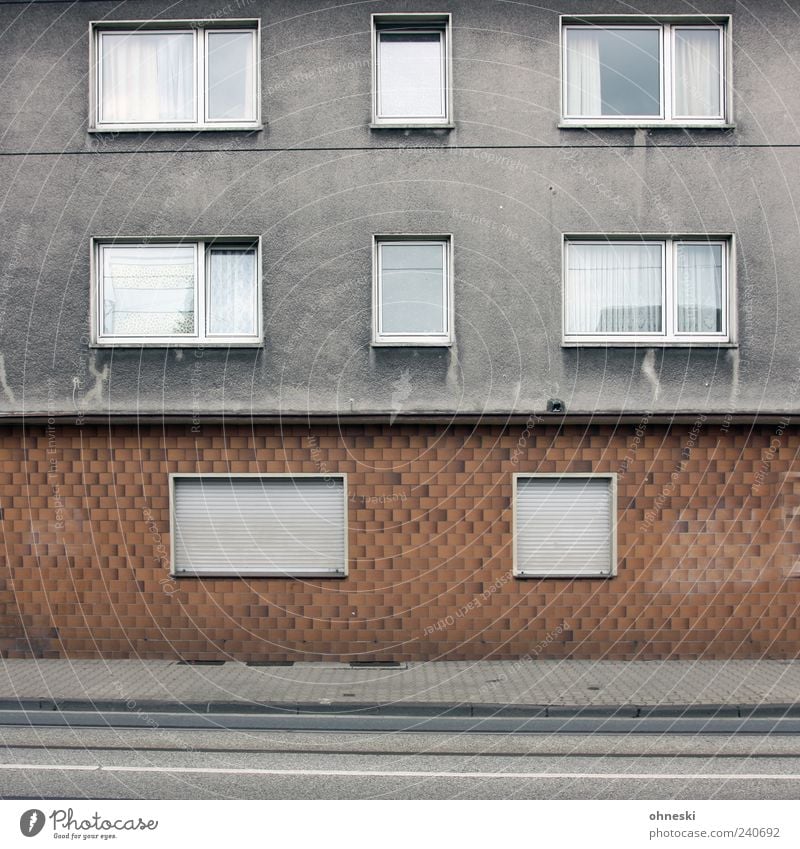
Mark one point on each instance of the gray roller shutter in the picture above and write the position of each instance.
(565, 526)
(259, 525)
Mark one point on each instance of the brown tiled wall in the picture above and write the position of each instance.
(706, 537)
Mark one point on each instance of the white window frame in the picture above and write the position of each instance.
(381, 339)
(202, 246)
(434, 22)
(669, 336)
(200, 31)
(203, 573)
(565, 573)
(667, 27)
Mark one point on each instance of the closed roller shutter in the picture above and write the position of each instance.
(565, 526)
(262, 525)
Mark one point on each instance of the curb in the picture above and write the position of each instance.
(409, 709)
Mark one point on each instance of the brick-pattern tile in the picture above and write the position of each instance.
(708, 542)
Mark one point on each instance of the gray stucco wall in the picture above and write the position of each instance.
(317, 183)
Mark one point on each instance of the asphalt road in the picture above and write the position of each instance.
(189, 764)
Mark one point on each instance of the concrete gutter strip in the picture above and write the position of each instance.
(409, 709)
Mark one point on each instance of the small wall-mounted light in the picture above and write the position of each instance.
(556, 405)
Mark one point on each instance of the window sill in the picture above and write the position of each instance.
(412, 343)
(648, 343)
(645, 125)
(175, 128)
(572, 576)
(410, 125)
(257, 574)
(162, 343)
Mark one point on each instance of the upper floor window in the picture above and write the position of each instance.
(176, 76)
(412, 291)
(653, 291)
(411, 70)
(177, 292)
(644, 73)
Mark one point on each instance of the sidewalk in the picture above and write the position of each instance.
(763, 685)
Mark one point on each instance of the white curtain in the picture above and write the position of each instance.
(148, 291)
(147, 77)
(231, 292)
(613, 288)
(697, 72)
(583, 73)
(699, 288)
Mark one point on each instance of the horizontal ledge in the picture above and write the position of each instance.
(242, 575)
(437, 417)
(649, 343)
(159, 128)
(642, 125)
(382, 126)
(570, 576)
(195, 343)
(383, 343)
(258, 572)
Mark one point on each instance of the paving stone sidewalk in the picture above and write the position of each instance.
(573, 682)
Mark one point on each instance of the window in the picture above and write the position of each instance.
(175, 75)
(656, 291)
(271, 525)
(181, 292)
(411, 70)
(644, 73)
(564, 525)
(412, 291)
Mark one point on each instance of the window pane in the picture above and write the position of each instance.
(410, 74)
(699, 288)
(697, 72)
(231, 66)
(412, 289)
(614, 289)
(147, 77)
(148, 290)
(613, 72)
(232, 292)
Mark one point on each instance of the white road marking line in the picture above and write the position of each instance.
(719, 776)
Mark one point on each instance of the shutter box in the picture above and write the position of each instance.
(565, 526)
(259, 525)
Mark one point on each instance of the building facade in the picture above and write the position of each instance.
(399, 331)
